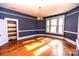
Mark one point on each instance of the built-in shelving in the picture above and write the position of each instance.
(12, 30)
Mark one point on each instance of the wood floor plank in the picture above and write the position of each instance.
(56, 47)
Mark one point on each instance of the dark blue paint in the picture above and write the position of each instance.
(27, 24)
(70, 36)
(40, 32)
(55, 34)
(40, 24)
(24, 23)
(15, 12)
(71, 23)
(21, 34)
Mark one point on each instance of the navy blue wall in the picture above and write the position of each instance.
(40, 24)
(26, 22)
(71, 24)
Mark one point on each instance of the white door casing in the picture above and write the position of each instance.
(12, 19)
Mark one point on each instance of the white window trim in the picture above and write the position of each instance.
(62, 26)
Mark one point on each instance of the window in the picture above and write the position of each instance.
(47, 26)
(55, 25)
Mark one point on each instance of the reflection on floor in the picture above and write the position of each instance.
(38, 46)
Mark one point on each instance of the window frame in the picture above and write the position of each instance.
(57, 17)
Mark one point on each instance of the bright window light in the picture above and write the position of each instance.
(55, 25)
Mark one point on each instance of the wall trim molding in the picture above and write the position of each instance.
(69, 40)
(72, 42)
(71, 32)
(31, 30)
(72, 13)
(15, 15)
(29, 36)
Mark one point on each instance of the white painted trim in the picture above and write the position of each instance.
(54, 36)
(31, 30)
(16, 24)
(71, 32)
(78, 24)
(77, 40)
(56, 17)
(15, 15)
(69, 40)
(72, 42)
(20, 38)
(72, 13)
(1, 19)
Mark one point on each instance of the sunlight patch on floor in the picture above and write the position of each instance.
(57, 47)
(33, 45)
(36, 44)
(41, 50)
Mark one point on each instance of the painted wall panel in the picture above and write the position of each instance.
(70, 36)
(15, 12)
(40, 32)
(55, 34)
(26, 22)
(40, 24)
(21, 34)
(71, 23)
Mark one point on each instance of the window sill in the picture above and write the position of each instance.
(55, 33)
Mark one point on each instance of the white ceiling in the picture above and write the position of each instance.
(47, 9)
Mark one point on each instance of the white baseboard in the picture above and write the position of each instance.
(72, 42)
(20, 38)
(69, 40)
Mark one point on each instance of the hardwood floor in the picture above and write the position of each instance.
(38, 46)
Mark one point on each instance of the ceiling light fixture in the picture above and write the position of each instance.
(39, 17)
